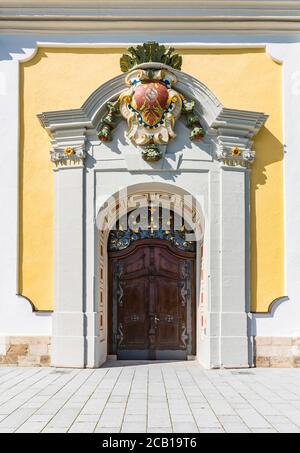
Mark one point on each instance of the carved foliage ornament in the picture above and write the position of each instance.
(150, 105)
(150, 52)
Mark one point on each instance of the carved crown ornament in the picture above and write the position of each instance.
(151, 100)
(151, 105)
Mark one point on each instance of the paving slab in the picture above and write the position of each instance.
(153, 397)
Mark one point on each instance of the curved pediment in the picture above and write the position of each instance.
(206, 103)
(88, 115)
(151, 120)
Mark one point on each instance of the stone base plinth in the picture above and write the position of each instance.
(25, 351)
(277, 352)
(274, 352)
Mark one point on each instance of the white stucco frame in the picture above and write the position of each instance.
(17, 49)
(225, 339)
(20, 40)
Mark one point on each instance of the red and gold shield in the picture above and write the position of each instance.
(150, 106)
(150, 100)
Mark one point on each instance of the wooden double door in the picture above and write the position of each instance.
(152, 301)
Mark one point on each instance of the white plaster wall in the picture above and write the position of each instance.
(285, 319)
(16, 316)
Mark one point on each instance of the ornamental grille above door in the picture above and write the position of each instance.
(151, 223)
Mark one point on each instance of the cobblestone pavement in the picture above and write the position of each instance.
(149, 397)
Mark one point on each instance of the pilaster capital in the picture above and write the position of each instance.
(234, 131)
(67, 143)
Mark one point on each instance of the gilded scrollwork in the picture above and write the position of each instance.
(149, 228)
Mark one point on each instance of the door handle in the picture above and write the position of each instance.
(156, 319)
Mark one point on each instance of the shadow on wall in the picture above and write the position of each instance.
(266, 178)
(272, 310)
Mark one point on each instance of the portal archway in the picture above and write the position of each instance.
(212, 171)
(178, 318)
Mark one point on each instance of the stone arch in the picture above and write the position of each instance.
(181, 198)
(206, 103)
(119, 203)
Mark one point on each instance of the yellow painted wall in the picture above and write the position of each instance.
(63, 78)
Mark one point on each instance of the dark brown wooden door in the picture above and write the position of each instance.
(151, 294)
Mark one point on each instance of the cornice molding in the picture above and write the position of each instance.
(24, 55)
(219, 7)
(228, 129)
(164, 15)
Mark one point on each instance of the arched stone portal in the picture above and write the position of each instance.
(214, 171)
(152, 195)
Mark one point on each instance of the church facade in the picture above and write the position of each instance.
(150, 191)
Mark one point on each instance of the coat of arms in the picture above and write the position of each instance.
(150, 105)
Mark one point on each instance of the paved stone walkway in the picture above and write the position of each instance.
(149, 397)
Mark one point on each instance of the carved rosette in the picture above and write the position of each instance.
(235, 155)
(67, 155)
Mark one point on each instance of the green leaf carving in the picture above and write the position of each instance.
(151, 153)
(150, 52)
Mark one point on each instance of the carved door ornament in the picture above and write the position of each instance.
(123, 236)
(156, 319)
(151, 105)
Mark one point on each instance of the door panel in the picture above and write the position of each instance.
(170, 315)
(152, 313)
(132, 314)
(137, 264)
(166, 263)
(170, 311)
